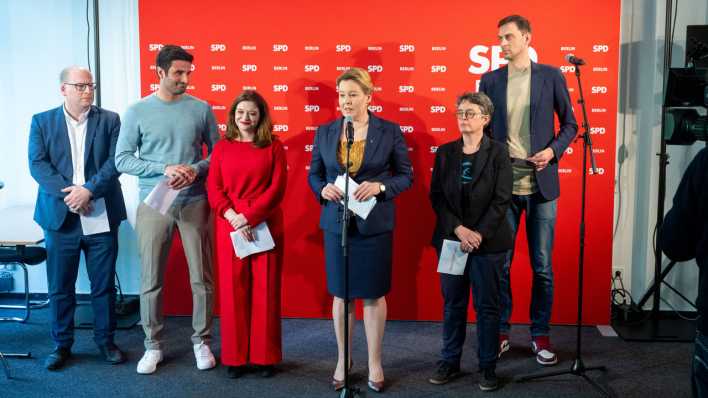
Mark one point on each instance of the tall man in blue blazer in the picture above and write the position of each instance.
(526, 95)
(71, 152)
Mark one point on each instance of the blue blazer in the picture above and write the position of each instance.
(549, 94)
(50, 164)
(385, 160)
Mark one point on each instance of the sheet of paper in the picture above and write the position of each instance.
(161, 197)
(263, 241)
(360, 208)
(452, 259)
(95, 222)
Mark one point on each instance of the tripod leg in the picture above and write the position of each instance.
(598, 387)
(521, 379)
(5, 366)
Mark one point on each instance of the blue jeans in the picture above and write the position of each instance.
(699, 371)
(540, 227)
(482, 271)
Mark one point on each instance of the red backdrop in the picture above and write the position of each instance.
(421, 54)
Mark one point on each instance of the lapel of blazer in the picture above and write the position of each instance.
(500, 104)
(482, 157)
(333, 134)
(90, 133)
(537, 82)
(373, 135)
(60, 137)
(453, 186)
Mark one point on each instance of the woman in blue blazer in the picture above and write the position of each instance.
(379, 163)
(470, 191)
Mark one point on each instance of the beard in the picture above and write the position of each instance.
(179, 89)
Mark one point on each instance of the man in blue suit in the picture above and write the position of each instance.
(526, 95)
(71, 152)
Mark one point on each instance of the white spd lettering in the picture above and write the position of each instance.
(312, 68)
(343, 48)
(482, 62)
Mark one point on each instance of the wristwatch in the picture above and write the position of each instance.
(382, 187)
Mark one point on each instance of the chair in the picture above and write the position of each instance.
(22, 256)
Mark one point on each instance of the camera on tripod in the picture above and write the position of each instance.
(686, 106)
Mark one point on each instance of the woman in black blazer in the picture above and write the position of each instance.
(379, 163)
(470, 192)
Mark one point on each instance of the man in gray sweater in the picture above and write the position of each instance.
(168, 130)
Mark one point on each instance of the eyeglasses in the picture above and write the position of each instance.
(468, 114)
(81, 87)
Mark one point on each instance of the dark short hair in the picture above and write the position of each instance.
(264, 129)
(480, 99)
(522, 23)
(170, 53)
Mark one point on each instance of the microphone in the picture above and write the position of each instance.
(349, 123)
(574, 60)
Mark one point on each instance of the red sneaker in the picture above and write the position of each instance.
(541, 346)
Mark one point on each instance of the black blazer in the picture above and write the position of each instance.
(385, 160)
(492, 181)
(549, 95)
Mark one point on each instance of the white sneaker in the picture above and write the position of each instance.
(205, 359)
(148, 363)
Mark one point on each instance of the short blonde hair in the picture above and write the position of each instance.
(359, 76)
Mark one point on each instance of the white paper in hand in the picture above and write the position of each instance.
(452, 259)
(360, 208)
(263, 241)
(95, 222)
(161, 197)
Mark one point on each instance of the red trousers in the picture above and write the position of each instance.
(249, 294)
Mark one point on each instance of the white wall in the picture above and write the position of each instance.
(38, 38)
(638, 139)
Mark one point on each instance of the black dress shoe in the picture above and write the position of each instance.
(266, 370)
(112, 353)
(234, 372)
(57, 358)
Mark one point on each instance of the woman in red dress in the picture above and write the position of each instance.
(246, 184)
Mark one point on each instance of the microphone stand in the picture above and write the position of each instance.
(347, 391)
(578, 368)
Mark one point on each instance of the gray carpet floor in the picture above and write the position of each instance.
(649, 370)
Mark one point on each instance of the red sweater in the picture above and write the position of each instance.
(248, 179)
